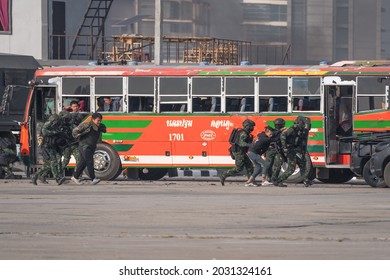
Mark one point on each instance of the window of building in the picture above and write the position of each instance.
(5, 16)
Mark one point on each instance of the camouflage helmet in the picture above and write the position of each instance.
(54, 118)
(299, 123)
(248, 123)
(76, 118)
(279, 123)
(65, 115)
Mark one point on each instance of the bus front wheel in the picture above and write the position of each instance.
(371, 179)
(106, 162)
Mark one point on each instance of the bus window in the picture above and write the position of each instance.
(141, 94)
(140, 104)
(366, 103)
(76, 86)
(240, 104)
(206, 94)
(109, 104)
(307, 103)
(109, 92)
(306, 94)
(371, 94)
(173, 94)
(273, 94)
(75, 104)
(240, 92)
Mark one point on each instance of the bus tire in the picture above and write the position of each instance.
(386, 174)
(296, 177)
(106, 162)
(152, 174)
(371, 179)
(338, 176)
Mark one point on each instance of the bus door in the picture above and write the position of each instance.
(43, 105)
(338, 117)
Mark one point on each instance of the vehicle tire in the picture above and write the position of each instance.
(371, 179)
(152, 174)
(338, 176)
(296, 177)
(119, 172)
(106, 162)
(386, 174)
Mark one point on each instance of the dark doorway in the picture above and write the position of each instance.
(58, 38)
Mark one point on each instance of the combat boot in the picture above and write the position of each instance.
(307, 183)
(222, 180)
(34, 179)
(43, 180)
(60, 180)
(279, 184)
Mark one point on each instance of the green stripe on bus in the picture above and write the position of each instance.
(121, 135)
(371, 124)
(315, 149)
(127, 123)
(122, 147)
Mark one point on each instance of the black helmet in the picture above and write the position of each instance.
(279, 123)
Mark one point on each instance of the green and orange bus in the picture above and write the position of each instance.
(181, 116)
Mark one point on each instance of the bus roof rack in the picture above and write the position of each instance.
(366, 63)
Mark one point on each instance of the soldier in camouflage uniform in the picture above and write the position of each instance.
(69, 122)
(52, 141)
(8, 157)
(274, 154)
(293, 141)
(239, 153)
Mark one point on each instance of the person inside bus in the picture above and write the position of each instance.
(109, 104)
(73, 107)
(304, 104)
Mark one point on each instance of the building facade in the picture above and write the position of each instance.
(304, 31)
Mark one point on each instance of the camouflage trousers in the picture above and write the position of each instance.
(242, 162)
(67, 153)
(275, 161)
(292, 161)
(52, 164)
(278, 162)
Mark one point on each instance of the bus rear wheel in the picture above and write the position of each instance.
(106, 162)
(296, 177)
(371, 179)
(386, 174)
(338, 176)
(152, 174)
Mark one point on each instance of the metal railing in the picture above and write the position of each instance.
(175, 50)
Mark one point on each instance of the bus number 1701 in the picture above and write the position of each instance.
(176, 137)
